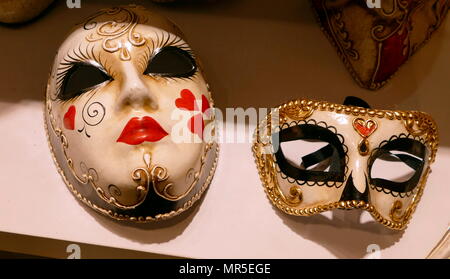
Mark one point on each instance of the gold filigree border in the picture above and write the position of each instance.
(416, 122)
(121, 217)
(138, 219)
(427, 128)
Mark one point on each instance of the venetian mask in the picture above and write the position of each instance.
(127, 109)
(316, 156)
(374, 42)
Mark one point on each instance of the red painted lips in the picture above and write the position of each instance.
(140, 129)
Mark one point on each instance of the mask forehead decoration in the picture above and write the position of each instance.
(374, 42)
(127, 116)
(315, 156)
(118, 35)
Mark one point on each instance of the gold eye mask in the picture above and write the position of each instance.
(315, 156)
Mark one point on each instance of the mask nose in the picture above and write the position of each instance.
(135, 93)
(351, 192)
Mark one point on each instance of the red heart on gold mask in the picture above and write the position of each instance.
(364, 128)
(69, 118)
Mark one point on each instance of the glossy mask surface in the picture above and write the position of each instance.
(126, 109)
(316, 156)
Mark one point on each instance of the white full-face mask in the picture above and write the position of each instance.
(127, 109)
(317, 156)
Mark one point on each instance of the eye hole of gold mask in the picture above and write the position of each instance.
(325, 164)
(405, 138)
(398, 151)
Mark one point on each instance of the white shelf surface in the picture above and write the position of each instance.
(235, 219)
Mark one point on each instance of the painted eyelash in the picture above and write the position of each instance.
(143, 61)
(182, 78)
(78, 55)
(89, 94)
(165, 39)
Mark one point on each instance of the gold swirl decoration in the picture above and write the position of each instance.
(292, 110)
(295, 111)
(400, 15)
(117, 33)
(142, 177)
(439, 13)
(151, 175)
(395, 212)
(342, 36)
(295, 196)
(421, 124)
(90, 176)
(289, 204)
(160, 175)
(393, 8)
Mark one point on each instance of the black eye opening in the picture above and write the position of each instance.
(80, 78)
(402, 152)
(326, 164)
(172, 61)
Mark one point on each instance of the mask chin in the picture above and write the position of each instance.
(304, 179)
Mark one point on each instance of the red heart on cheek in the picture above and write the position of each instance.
(197, 125)
(187, 101)
(69, 118)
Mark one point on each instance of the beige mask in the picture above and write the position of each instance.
(123, 86)
(317, 156)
